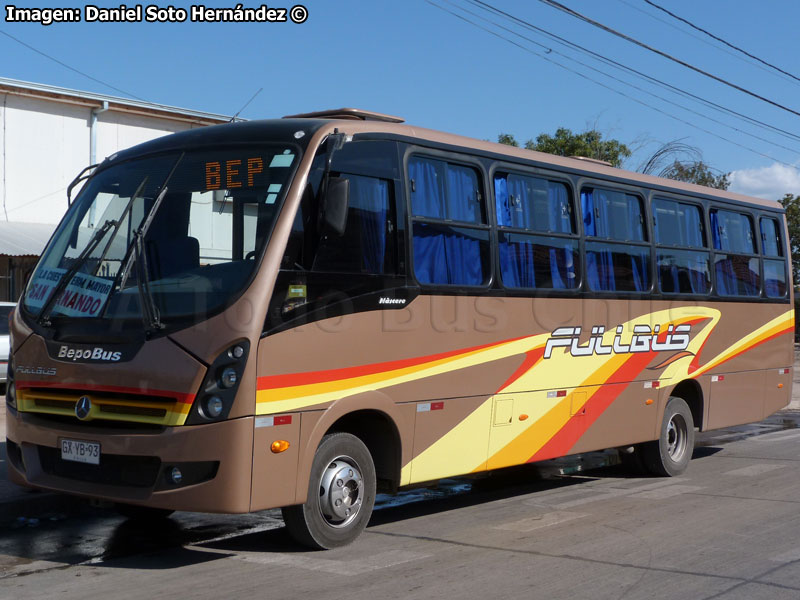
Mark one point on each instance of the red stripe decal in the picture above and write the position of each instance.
(282, 420)
(531, 358)
(294, 379)
(73, 387)
(561, 443)
(437, 405)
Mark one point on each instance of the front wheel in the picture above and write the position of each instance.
(341, 494)
(669, 455)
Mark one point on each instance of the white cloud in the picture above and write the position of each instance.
(770, 183)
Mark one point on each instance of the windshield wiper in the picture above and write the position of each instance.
(150, 312)
(44, 315)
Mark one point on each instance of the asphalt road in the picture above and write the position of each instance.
(728, 528)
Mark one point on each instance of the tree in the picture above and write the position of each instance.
(589, 144)
(696, 172)
(792, 205)
(507, 139)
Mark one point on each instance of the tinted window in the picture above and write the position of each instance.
(363, 246)
(683, 272)
(528, 261)
(531, 203)
(770, 238)
(678, 224)
(612, 214)
(732, 232)
(444, 253)
(617, 267)
(440, 190)
(736, 275)
(775, 278)
(448, 255)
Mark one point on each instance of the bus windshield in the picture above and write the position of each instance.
(175, 235)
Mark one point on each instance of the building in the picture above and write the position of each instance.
(47, 136)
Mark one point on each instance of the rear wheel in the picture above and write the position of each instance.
(670, 454)
(341, 494)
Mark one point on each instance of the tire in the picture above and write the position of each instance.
(142, 513)
(670, 454)
(341, 494)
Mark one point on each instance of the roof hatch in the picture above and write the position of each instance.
(348, 113)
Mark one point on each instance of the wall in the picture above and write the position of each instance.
(45, 143)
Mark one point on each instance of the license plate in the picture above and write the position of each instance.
(82, 452)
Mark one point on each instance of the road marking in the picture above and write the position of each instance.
(667, 491)
(602, 491)
(754, 470)
(787, 557)
(539, 522)
(383, 560)
(778, 436)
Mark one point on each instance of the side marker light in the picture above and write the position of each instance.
(279, 446)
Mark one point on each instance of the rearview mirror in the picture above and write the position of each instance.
(334, 210)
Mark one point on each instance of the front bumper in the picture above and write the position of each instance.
(133, 463)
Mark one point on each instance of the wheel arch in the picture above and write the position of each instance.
(690, 391)
(372, 417)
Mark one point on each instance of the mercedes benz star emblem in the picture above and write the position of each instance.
(83, 407)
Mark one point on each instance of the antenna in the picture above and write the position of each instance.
(233, 118)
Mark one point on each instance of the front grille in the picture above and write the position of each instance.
(114, 469)
(106, 406)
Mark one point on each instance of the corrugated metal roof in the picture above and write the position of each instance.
(66, 94)
(24, 239)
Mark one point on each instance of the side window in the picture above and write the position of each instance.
(621, 260)
(680, 225)
(775, 280)
(362, 248)
(449, 230)
(321, 271)
(732, 235)
(526, 208)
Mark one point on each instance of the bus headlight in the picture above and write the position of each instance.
(212, 407)
(11, 394)
(218, 391)
(228, 379)
(11, 389)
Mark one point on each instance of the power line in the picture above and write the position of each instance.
(699, 38)
(627, 38)
(583, 76)
(719, 39)
(611, 62)
(66, 66)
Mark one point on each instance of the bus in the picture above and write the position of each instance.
(304, 312)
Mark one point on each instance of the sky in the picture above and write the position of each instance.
(475, 73)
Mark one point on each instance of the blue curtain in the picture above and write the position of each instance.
(462, 195)
(692, 226)
(599, 263)
(517, 262)
(427, 197)
(430, 262)
(370, 197)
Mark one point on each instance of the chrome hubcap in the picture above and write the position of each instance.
(676, 438)
(341, 492)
